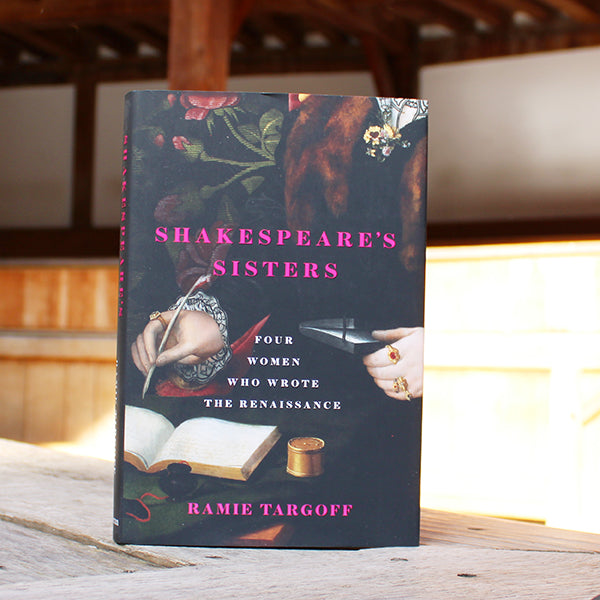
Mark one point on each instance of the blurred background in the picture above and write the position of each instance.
(512, 386)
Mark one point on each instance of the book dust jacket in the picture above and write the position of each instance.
(270, 345)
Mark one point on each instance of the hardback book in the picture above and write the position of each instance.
(270, 343)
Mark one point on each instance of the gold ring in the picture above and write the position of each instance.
(157, 316)
(393, 354)
(400, 384)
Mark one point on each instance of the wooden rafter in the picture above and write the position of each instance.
(61, 41)
(577, 10)
(432, 14)
(534, 10)
(69, 11)
(140, 33)
(241, 10)
(480, 10)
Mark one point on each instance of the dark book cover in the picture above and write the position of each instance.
(270, 344)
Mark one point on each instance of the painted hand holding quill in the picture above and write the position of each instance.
(190, 337)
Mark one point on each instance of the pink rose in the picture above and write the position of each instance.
(180, 142)
(199, 104)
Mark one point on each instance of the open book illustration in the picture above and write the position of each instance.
(210, 446)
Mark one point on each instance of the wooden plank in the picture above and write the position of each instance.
(12, 399)
(78, 400)
(462, 557)
(199, 44)
(92, 293)
(12, 281)
(44, 402)
(80, 297)
(28, 555)
(502, 534)
(43, 298)
(58, 347)
(442, 572)
(30, 495)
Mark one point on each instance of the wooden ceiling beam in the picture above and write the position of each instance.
(429, 13)
(141, 34)
(285, 28)
(508, 42)
(335, 37)
(352, 18)
(69, 11)
(249, 37)
(241, 11)
(579, 11)
(534, 10)
(38, 43)
(106, 36)
(304, 60)
(395, 75)
(199, 44)
(480, 10)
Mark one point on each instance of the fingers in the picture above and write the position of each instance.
(183, 353)
(392, 335)
(398, 367)
(143, 350)
(194, 338)
(388, 356)
(397, 388)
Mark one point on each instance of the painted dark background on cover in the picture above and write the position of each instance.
(192, 162)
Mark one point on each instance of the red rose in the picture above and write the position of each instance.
(198, 104)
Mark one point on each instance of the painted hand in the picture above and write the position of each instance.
(194, 338)
(398, 368)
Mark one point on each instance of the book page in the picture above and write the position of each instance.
(145, 433)
(214, 442)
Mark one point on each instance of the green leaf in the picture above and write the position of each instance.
(206, 191)
(232, 112)
(252, 183)
(193, 150)
(210, 122)
(270, 126)
(250, 133)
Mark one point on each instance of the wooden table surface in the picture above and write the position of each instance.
(56, 532)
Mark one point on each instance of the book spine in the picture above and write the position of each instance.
(121, 320)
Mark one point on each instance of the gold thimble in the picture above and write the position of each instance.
(305, 456)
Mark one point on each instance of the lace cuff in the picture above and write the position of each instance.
(198, 376)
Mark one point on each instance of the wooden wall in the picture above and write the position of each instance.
(73, 297)
(57, 350)
(512, 382)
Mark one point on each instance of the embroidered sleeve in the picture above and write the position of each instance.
(201, 374)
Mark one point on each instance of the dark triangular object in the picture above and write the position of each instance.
(346, 334)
